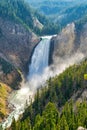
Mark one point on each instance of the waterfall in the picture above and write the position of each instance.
(40, 58)
(39, 62)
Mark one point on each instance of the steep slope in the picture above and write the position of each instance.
(60, 104)
(73, 13)
(9, 74)
(16, 38)
(51, 7)
(71, 42)
(19, 10)
(4, 92)
(64, 42)
(61, 12)
(17, 41)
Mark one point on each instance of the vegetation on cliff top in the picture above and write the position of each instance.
(19, 11)
(61, 12)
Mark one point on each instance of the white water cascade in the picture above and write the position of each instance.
(39, 62)
(40, 58)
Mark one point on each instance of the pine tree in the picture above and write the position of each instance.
(50, 116)
(63, 123)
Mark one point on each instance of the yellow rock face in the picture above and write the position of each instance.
(4, 92)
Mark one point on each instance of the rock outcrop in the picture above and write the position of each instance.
(64, 43)
(16, 46)
(9, 74)
(81, 128)
(16, 43)
(83, 39)
(69, 43)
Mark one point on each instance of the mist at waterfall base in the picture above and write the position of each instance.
(41, 74)
(38, 75)
(38, 81)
